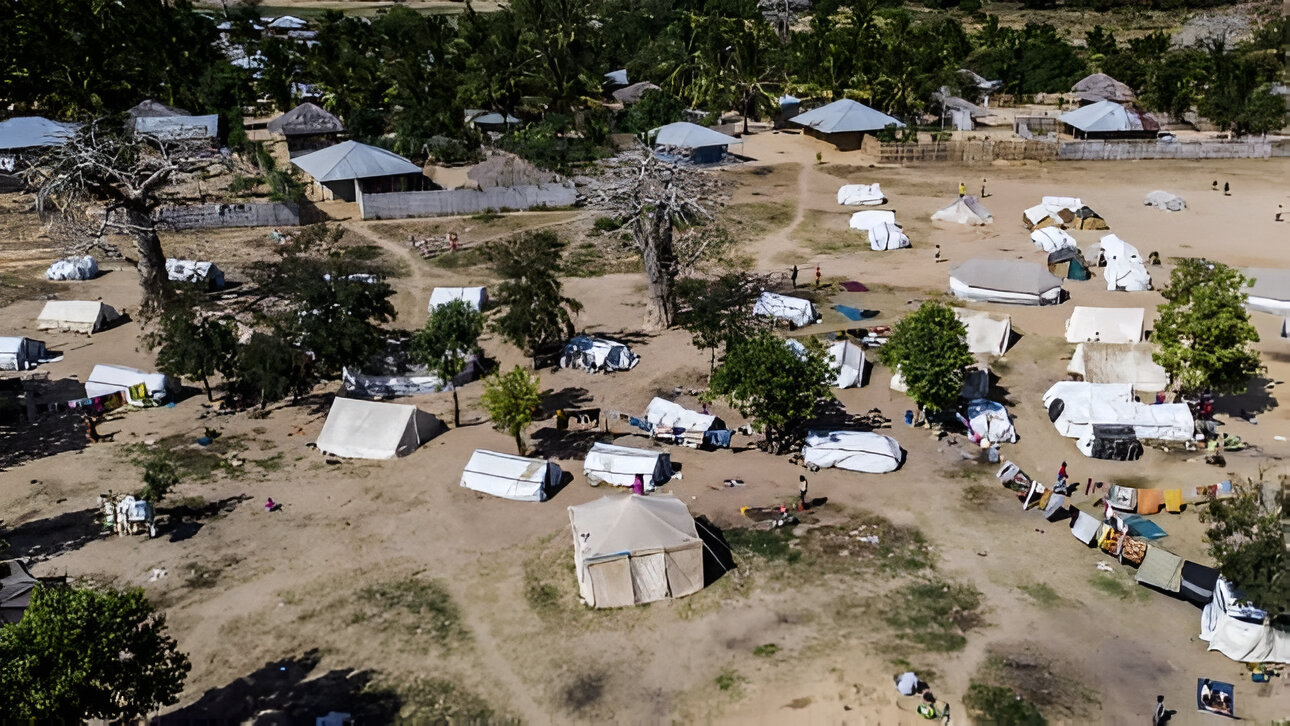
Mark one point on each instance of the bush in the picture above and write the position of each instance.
(607, 224)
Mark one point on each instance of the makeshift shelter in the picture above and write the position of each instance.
(619, 466)
(1105, 325)
(184, 127)
(887, 236)
(140, 388)
(1075, 408)
(795, 310)
(1119, 363)
(1068, 263)
(1086, 218)
(860, 195)
(697, 144)
(597, 355)
(1005, 281)
(1051, 239)
(360, 385)
(73, 268)
(633, 93)
(492, 121)
(1198, 583)
(1241, 631)
(197, 272)
(989, 421)
(870, 218)
(964, 210)
(862, 451)
(844, 122)
(1124, 267)
(1165, 200)
(674, 422)
(511, 477)
(306, 127)
(22, 354)
(1160, 569)
(632, 550)
(789, 106)
(476, 297)
(1110, 120)
(23, 133)
(846, 359)
(16, 584)
(349, 169)
(1101, 87)
(961, 112)
(1040, 217)
(77, 316)
(1269, 290)
(987, 333)
(357, 429)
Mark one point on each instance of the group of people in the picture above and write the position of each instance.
(908, 684)
(963, 190)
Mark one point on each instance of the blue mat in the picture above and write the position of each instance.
(855, 313)
(1224, 705)
(1140, 526)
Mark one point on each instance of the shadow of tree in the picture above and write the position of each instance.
(568, 397)
(51, 433)
(1257, 398)
(552, 443)
(42, 539)
(184, 520)
(626, 337)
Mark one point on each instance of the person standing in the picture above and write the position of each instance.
(1279, 212)
(638, 485)
(937, 256)
(793, 276)
(1161, 714)
(983, 194)
(801, 492)
(962, 190)
(817, 277)
(1227, 189)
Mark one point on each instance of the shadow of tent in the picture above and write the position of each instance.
(53, 432)
(566, 398)
(718, 559)
(287, 692)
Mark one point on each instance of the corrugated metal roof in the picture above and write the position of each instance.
(27, 132)
(845, 116)
(1108, 116)
(690, 136)
(155, 108)
(352, 160)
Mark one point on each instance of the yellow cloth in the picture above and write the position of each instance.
(1149, 501)
(1173, 500)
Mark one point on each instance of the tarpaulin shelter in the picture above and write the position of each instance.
(597, 355)
(1198, 583)
(1039, 217)
(631, 550)
(1076, 407)
(358, 429)
(1160, 569)
(1086, 218)
(964, 210)
(73, 268)
(846, 359)
(106, 379)
(77, 316)
(619, 465)
(887, 236)
(795, 310)
(869, 218)
(198, 272)
(1269, 290)
(1124, 267)
(988, 333)
(22, 354)
(1005, 281)
(1167, 201)
(1068, 263)
(867, 195)
(16, 584)
(844, 122)
(511, 477)
(1241, 631)
(1051, 239)
(34, 132)
(361, 385)
(1119, 363)
(1105, 325)
(990, 421)
(476, 297)
(678, 423)
(863, 451)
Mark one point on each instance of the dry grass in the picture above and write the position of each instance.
(754, 220)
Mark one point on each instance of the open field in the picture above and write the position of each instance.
(383, 587)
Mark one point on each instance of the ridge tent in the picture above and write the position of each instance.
(1051, 239)
(989, 421)
(1165, 200)
(1076, 408)
(105, 379)
(77, 316)
(887, 236)
(22, 354)
(476, 297)
(986, 332)
(864, 221)
(511, 477)
(1269, 290)
(1241, 631)
(1124, 268)
(964, 210)
(73, 268)
(1119, 363)
(357, 429)
(1105, 325)
(1005, 281)
(16, 584)
(850, 195)
(195, 271)
(632, 550)
(597, 355)
(862, 451)
(847, 361)
(619, 465)
(674, 421)
(795, 310)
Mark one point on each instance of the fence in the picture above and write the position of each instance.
(397, 205)
(1121, 150)
(254, 214)
(972, 151)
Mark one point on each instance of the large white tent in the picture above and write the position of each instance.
(619, 465)
(1075, 407)
(21, 354)
(1269, 291)
(869, 218)
(847, 361)
(1241, 631)
(987, 333)
(863, 451)
(106, 379)
(77, 316)
(1119, 363)
(669, 418)
(510, 477)
(964, 210)
(795, 310)
(1051, 239)
(1005, 281)
(1124, 267)
(358, 429)
(1105, 325)
(887, 236)
(476, 297)
(633, 550)
(866, 195)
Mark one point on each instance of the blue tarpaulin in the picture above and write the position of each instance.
(1140, 526)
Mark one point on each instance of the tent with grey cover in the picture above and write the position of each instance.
(965, 210)
(73, 268)
(1268, 291)
(107, 379)
(23, 354)
(597, 355)
(794, 310)
(34, 132)
(631, 550)
(1165, 200)
(358, 429)
(862, 451)
(77, 316)
(887, 236)
(511, 477)
(1005, 281)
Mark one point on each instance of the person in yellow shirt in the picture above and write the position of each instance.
(962, 189)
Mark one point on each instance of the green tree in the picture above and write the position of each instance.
(191, 342)
(1247, 539)
(717, 312)
(929, 348)
(1203, 336)
(160, 475)
(269, 369)
(536, 313)
(447, 343)
(764, 379)
(80, 654)
(656, 108)
(512, 399)
(1237, 94)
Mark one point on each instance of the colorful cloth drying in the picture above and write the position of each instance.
(1084, 527)
(1132, 551)
(1149, 500)
(1161, 569)
(1140, 526)
(1173, 501)
(1125, 498)
(853, 286)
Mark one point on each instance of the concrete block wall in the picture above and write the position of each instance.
(209, 216)
(399, 205)
(1126, 150)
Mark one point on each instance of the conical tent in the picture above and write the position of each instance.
(358, 429)
(964, 210)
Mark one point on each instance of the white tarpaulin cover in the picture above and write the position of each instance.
(1005, 281)
(597, 354)
(21, 354)
(77, 316)
(1051, 239)
(864, 221)
(795, 310)
(358, 429)
(1166, 201)
(863, 451)
(196, 271)
(632, 550)
(105, 379)
(1037, 217)
(73, 268)
(411, 383)
(1079, 405)
(686, 135)
(986, 332)
(964, 210)
(510, 477)
(178, 128)
(866, 195)
(477, 297)
(1124, 267)
(664, 414)
(887, 236)
(32, 132)
(619, 465)
(1119, 363)
(1057, 204)
(1270, 291)
(847, 361)
(990, 421)
(1105, 325)
(1241, 631)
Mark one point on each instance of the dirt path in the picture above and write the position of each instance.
(498, 666)
(765, 249)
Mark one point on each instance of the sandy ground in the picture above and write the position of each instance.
(287, 582)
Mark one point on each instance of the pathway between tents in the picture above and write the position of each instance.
(766, 249)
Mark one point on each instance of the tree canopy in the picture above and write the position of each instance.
(1246, 537)
(717, 312)
(447, 342)
(1204, 338)
(929, 348)
(536, 314)
(512, 399)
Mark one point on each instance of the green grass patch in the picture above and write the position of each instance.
(766, 650)
(486, 217)
(1042, 593)
(1024, 683)
(470, 257)
(1000, 705)
(934, 615)
(1116, 585)
(587, 259)
(774, 545)
(442, 701)
(977, 496)
(729, 681)
(410, 607)
(273, 463)
(754, 220)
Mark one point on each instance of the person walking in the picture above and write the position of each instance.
(817, 277)
(962, 190)
(1161, 714)
(1227, 189)
(1061, 475)
(1279, 212)
(793, 276)
(937, 256)
(983, 194)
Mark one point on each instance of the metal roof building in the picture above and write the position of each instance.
(349, 168)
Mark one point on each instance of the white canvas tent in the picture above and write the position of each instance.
(1119, 363)
(847, 361)
(1051, 239)
(21, 354)
(990, 421)
(795, 310)
(1105, 325)
(887, 236)
(1005, 281)
(863, 451)
(633, 550)
(866, 195)
(105, 379)
(77, 316)
(667, 417)
(1075, 407)
(476, 297)
(1270, 290)
(987, 333)
(1241, 631)
(597, 354)
(864, 221)
(964, 210)
(195, 271)
(1124, 267)
(619, 465)
(358, 429)
(510, 477)
(73, 268)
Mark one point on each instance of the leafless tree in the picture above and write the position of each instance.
(105, 181)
